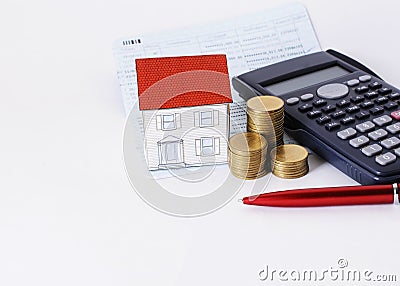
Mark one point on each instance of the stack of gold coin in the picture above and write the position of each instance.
(289, 161)
(265, 115)
(247, 155)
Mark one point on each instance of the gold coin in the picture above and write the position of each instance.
(268, 103)
(272, 139)
(247, 142)
(261, 124)
(262, 127)
(265, 117)
(289, 161)
(267, 134)
(249, 177)
(290, 173)
(287, 167)
(248, 161)
(253, 169)
(248, 174)
(291, 176)
(289, 153)
(276, 124)
(245, 167)
(281, 163)
(250, 156)
(265, 114)
(261, 131)
(259, 154)
(237, 161)
(247, 156)
(260, 106)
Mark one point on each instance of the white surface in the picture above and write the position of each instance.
(68, 215)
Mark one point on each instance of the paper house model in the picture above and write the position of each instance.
(185, 107)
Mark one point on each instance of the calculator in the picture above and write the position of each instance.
(338, 108)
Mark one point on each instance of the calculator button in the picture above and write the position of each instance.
(319, 102)
(346, 133)
(365, 78)
(362, 89)
(394, 96)
(372, 150)
(384, 91)
(357, 99)
(395, 115)
(307, 96)
(390, 143)
(375, 85)
(377, 134)
(353, 109)
(381, 100)
(394, 128)
(383, 120)
(348, 120)
(371, 95)
(362, 115)
(305, 107)
(292, 100)
(365, 127)
(367, 104)
(333, 91)
(332, 126)
(385, 159)
(323, 119)
(353, 82)
(397, 151)
(338, 114)
(376, 110)
(390, 105)
(359, 141)
(343, 103)
(314, 114)
(329, 108)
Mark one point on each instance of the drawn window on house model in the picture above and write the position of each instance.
(207, 146)
(207, 118)
(168, 121)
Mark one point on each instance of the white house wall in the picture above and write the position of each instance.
(188, 132)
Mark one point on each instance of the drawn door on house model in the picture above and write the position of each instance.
(170, 151)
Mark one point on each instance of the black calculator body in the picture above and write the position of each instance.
(338, 108)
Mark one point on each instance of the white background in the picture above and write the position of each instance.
(68, 215)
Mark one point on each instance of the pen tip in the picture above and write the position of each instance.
(240, 200)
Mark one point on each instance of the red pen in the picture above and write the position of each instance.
(334, 196)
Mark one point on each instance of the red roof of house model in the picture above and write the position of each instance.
(172, 82)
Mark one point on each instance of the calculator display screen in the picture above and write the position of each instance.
(305, 80)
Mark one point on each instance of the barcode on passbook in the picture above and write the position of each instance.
(131, 42)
